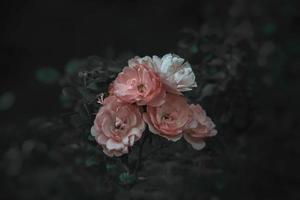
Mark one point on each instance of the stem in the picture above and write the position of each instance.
(123, 165)
(139, 161)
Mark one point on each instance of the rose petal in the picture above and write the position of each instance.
(102, 139)
(150, 125)
(113, 145)
(93, 131)
(196, 144)
(176, 75)
(159, 99)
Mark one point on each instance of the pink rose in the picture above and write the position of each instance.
(117, 126)
(169, 119)
(199, 127)
(139, 83)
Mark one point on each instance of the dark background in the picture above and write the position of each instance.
(39, 33)
(43, 33)
(36, 34)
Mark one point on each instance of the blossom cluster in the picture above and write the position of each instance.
(150, 91)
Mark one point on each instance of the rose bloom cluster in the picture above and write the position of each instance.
(149, 91)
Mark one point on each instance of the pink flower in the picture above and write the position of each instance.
(139, 83)
(117, 126)
(169, 119)
(176, 74)
(199, 127)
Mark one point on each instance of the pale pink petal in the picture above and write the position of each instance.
(150, 125)
(113, 145)
(136, 132)
(158, 100)
(172, 138)
(132, 139)
(213, 133)
(200, 127)
(107, 152)
(124, 151)
(196, 144)
(125, 141)
(102, 139)
(93, 131)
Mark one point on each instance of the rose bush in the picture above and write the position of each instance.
(149, 90)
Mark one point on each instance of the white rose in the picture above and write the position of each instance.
(176, 74)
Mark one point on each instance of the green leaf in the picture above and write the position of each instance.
(209, 57)
(194, 49)
(111, 167)
(65, 100)
(47, 75)
(211, 70)
(73, 65)
(208, 90)
(126, 178)
(269, 29)
(91, 161)
(7, 100)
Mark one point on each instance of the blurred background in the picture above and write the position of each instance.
(38, 34)
(41, 159)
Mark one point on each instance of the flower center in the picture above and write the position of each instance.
(141, 88)
(119, 124)
(168, 117)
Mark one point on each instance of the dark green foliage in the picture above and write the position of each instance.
(126, 178)
(47, 75)
(83, 84)
(7, 100)
(269, 29)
